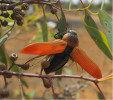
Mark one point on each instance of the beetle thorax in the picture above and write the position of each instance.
(71, 39)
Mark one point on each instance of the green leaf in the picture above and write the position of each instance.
(30, 95)
(24, 83)
(98, 37)
(68, 71)
(89, 21)
(3, 57)
(44, 29)
(15, 68)
(109, 37)
(5, 36)
(99, 96)
(62, 26)
(106, 22)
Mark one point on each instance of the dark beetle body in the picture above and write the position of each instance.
(60, 59)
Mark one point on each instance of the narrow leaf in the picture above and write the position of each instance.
(24, 83)
(3, 57)
(99, 96)
(62, 26)
(98, 37)
(44, 29)
(5, 36)
(106, 22)
(89, 21)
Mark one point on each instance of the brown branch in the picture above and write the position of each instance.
(52, 88)
(5, 82)
(100, 91)
(13, 4)
(46, 76)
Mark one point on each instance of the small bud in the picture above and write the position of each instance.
(5, 14)
(13, 16)
(16, 10)
(14, 57)
(20, 23)
(2, 66)
(4, 93)
(46, 83)
(3, 7)
(45, 63)
(25, 66)
(53, 10)
(18, 17)
(4, 23)
(25, 6)
(22, 13)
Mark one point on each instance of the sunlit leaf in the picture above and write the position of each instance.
(68, 71)
(5, 36)
(99, 37)
(106, 22)
(109, 37)
(44, 29)
(29, 95)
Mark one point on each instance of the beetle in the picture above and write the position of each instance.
(60, 50)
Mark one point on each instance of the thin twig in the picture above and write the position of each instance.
(11, 66)
(100, 90)
(5, 82)
(57, 17)
(21, 88)
(52, 88)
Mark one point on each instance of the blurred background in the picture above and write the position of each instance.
(31, 32)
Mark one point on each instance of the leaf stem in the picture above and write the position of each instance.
(103, 1)
(43, 9)
(82, 3)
